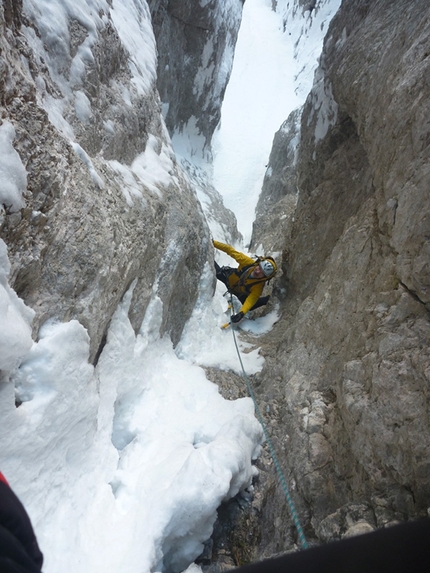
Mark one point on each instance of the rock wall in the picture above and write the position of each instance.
(196, 42)
(278, 198)
(106, 202)
(347, 370)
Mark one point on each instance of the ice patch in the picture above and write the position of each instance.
(13, 175)
(15, 319)
(154, 167)
(324, 106)
(87, 161)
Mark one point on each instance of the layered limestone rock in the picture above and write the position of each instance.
(348, 365)
(106, 203)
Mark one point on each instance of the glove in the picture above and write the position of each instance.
(237, 317)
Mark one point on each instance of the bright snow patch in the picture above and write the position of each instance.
(15, 319)
(155, 165)
(275, 59)
(13, 175)
(132, 19)
(89, 164)
(122, 468)
(324, 106)
(258, 99)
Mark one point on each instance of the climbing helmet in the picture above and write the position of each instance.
(267, 268)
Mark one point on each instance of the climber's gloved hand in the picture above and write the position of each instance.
(237, 317)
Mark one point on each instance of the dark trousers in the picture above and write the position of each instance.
(222, 274)
(19, 551)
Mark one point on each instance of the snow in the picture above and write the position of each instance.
(257, 100)
(189, 143)
(152, 169)
(203, 345)
(154, 166)
(52, 46)
(324, 106)
(82, 107)
(52, 20)
(130, 187)
(306, 29)
(15, 318)
(275, 59)
(122, 465)
(210, 78)
(13, 175)
(83, 155)
(132, 20)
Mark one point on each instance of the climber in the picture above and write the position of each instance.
(19, 551)
(247, 281)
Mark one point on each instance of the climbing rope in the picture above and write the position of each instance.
(282, 479)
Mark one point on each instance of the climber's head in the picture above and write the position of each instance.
(257, 272)
(264, 269)
(267, 268)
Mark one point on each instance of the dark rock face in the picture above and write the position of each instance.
(195, 42)
(12, 13)
(348, 363)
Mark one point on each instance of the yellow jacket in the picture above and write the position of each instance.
(251, 287)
